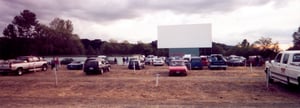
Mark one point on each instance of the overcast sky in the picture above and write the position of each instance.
(137, 20)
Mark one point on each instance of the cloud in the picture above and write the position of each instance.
(138, 19)
(111, 10)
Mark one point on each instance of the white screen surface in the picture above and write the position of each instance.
(185, 36)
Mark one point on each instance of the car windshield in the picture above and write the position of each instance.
(133, 62)
(216, 58)
(76, 62)
(158, 59)
(177, 63)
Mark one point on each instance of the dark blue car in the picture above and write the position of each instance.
(217, 61)
(196, 63)
(75, 65)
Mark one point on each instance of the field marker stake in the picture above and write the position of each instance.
(267, 77)
(250, 67)
(157, 76)
(34, 67)
(55, 74)
(134, 67)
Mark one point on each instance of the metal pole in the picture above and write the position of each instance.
(133, 66)
(55, 73)
(250, 67)
(267, 79)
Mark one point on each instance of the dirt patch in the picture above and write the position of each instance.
(236, 86)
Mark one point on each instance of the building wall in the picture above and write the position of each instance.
(182, 51)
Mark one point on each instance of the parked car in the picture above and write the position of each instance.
(97, 66)
(204, 60)
(255, 60)
(234, 60)
(284, 68)
(217, 61)
(23, 64)
(169, 59)
(75, 65)
(158, 62)
(66, 61)
(136, 64)
(196, 63)
(177, 67)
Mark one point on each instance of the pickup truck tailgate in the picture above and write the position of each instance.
(4, 66)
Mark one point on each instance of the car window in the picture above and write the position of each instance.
(296, 58)
(285, 58)
(196, 60)
(35, 59)
(92, 63)
(278, 58)
(177, 63)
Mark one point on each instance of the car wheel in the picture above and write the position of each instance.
(44, 68)
(108, 69)
(269, 77)
(224, 68)
(101, 71)
(20, 72)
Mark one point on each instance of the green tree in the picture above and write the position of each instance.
(20, 34)
(245, 43)
(296, 40)
(22, 26)
(63, 40)
(267, 47)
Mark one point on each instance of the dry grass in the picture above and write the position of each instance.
(236, 86)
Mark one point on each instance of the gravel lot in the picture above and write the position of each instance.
(234, 87)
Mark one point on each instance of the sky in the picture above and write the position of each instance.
(137, 20)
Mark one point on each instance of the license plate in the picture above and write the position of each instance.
(91, 68)
(177, 72)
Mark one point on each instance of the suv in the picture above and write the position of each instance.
(96, 66)
(136, 64)
(196, 63)
(217, 61)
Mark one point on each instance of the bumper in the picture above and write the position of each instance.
(6, 70)
(184, 73)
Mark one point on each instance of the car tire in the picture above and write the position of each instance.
(268, 74)
(101, 71)
(108, 69)
(19, 71)
(44, 67)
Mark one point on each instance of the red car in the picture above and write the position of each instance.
(177, 67)
(204, 60)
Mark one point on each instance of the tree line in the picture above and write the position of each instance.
(26, 36)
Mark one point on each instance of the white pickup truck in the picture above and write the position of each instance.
(23, 64)
(284, 68)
